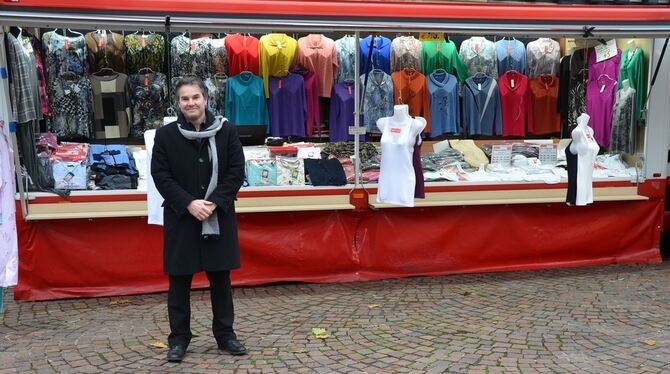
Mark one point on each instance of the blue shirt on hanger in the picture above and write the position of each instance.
(445, 113)
(481, 106)
(245, 100)
(381, 54)
(511, 55)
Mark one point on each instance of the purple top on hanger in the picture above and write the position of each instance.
(287, 105)
(600, 99)
(342, 112)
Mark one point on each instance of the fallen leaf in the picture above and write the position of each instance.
(158, 344)
(372, 306)
(320, 333)
(650, 342)
(119, 302)
(194, 333)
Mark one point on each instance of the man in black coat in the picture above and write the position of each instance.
(198, 167)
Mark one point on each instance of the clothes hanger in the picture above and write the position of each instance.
(69, 75)
(246, 74)
(604, 75)
(75, 32)
(145, 70)
(409, 71)
(105, 72)
(282, 73)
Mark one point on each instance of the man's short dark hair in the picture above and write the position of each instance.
(190, 80)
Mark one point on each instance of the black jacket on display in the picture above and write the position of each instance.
(181, 169)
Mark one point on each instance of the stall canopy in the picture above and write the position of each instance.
(348, 15)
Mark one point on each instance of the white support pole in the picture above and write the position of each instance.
(657, 140)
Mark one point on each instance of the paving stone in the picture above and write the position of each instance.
(584, 320)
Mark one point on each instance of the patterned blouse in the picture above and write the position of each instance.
(479, 56)
(147, 97)
(64, 53)
(217, 94)
(191, 56)
(623, 123)
(346, 48)
(145, 51)
(39, 65)
(106, 50)
(71, 106)
(219, 56)
(24, 99)
(378, 98)
(543, 57)
(577, 87)
(405, 53)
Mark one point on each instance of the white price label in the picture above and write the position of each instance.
(353, 130)
(501, 154)
(548, 154)
(606, 51)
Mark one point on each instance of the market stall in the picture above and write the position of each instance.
(98, 243)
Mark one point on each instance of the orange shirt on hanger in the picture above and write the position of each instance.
(409, 87)
(544, 104)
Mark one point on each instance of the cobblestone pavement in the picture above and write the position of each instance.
(611, 319)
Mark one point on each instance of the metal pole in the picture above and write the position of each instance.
(357, 111)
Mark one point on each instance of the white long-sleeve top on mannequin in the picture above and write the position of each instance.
(154, 198)
(585, 148)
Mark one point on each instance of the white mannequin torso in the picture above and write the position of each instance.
(397, 178)
(585, 147)
(401, 120)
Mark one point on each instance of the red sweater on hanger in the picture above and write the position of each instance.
(515, 104)
(242, 54)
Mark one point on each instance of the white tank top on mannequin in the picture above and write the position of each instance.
(396, 175)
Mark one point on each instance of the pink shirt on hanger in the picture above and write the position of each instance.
(317, 53)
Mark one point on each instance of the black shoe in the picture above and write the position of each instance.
(176, 353)
(234, 347)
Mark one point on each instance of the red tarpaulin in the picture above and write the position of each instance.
(117, 256)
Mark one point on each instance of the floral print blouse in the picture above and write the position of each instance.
(145, 51)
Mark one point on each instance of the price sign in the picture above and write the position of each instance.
(353, 130)
(606, 51)
(548, 154)
(426, 36)
(501, 154)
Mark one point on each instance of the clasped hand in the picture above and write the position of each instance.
(201, 209)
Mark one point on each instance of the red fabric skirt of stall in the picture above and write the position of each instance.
(120, 256)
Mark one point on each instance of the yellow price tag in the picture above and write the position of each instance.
(427, 36)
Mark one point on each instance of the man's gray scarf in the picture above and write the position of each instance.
(210, 226)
